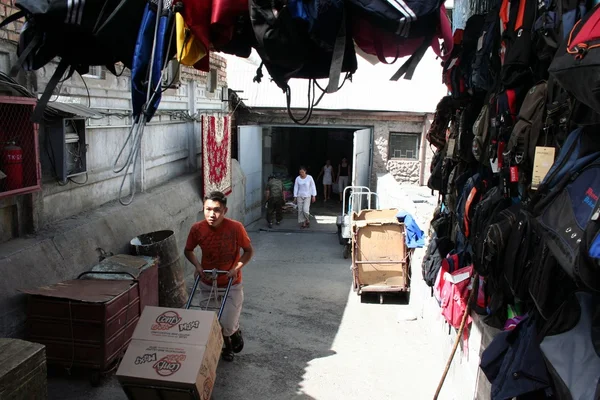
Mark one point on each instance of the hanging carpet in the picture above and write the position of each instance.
(216, 154)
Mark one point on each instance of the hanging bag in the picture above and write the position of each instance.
(576, 66)
(389, 46)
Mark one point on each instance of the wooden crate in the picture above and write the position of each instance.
(22, 370)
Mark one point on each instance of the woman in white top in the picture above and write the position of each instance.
(328, 179)
(305, 192)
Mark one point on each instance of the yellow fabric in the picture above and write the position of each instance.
(189, 49)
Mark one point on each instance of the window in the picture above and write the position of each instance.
(211, 83)
(96, 71)
(404, 145)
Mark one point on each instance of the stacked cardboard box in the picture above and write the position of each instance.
(173, 355)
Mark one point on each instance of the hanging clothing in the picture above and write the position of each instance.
(414, 237)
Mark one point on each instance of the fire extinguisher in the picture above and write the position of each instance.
(12, 166)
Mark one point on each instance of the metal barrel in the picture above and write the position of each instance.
(171, 282)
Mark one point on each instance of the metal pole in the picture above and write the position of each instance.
(189, 302)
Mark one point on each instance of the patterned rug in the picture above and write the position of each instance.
(216, 154)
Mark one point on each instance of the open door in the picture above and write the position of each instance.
(361, 166)
(250, 156)
(361, 162)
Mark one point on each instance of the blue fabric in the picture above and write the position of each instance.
(141, 64)
(514, 364)
(415, 237)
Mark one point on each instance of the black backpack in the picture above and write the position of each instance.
(576, 65)
(486, 62)
(81, 33)
(437, 251)
(291, 46)
(517, 44)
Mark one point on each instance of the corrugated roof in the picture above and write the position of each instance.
(370, 89)
(58, 108)
(53, 109)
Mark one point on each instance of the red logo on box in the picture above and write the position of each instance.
(166, 321)
(168, 365)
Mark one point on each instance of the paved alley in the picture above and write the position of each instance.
(308, 336)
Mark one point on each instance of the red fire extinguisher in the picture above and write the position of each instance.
(12, 166)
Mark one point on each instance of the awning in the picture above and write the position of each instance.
(58, 109)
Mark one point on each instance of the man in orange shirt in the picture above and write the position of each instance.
(220, 240)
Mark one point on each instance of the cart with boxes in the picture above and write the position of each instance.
(380, 257)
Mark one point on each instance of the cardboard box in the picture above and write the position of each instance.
(174, 354)
(175, 325)
(382, 256)
(157, 370)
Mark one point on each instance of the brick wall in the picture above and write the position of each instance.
(11, 31)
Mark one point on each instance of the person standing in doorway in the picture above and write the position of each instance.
(343, 176)
(328, 178)
(275, 200)
(305, 192)
(220, 240)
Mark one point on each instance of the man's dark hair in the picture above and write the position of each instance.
(217, 196)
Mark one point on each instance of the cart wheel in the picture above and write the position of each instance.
(346, 253)
(95, 378)
(343, 241)
(380, 298)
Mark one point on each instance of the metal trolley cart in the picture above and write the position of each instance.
(215, 290)
(358, 198)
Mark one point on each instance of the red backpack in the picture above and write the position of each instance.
(384, 44)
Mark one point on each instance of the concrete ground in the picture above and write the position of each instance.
(307, 334)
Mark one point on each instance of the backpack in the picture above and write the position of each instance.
(82, 34)
(436, 134)
(519, 255)
(457, 69)
(514, 363)
(486, 62)
(438, 249)
(374, 40)
(394, 30)
(526, 132)
(481, 135)
(570, 344)
(576, 64)
(569, 222)
(517, 54)
(288, 42)
(579, 149)
(485, 213)
(549, 284)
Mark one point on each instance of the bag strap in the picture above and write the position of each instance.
(408, 68)
(38, 113)
(337, 59)
(24, 54)
(118, 8)
(12, 18)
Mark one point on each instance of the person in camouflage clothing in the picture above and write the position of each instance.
(275, 200)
